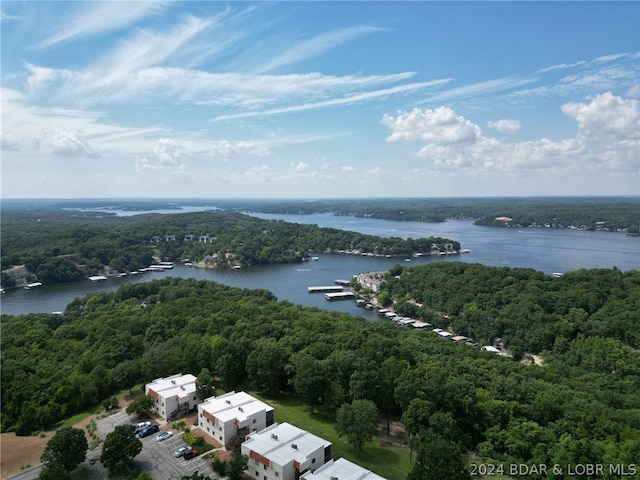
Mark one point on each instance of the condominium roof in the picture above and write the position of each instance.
(284, 443)
(341, 469)
(176, 385)
(234, 406)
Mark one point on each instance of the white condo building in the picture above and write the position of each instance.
(284, 452)
(173, 396)
(224, 416)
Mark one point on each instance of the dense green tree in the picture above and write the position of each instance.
(437, 459)
(205, 387)
(141, 405)
(358, 421)
(266, 365)
(235, 467)
(67, 448)
(310, 379)
(196, 476)
(54, 471)
(120, 447)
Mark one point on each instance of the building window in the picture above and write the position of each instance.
(264, 467)
(277, 474)
(254, 420)
(313, 461)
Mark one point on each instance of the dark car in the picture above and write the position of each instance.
(191, 454)
(149, 431)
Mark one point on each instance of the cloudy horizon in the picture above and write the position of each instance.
(319, 99)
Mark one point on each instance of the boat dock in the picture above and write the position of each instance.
(339, 295)
(97, 278)
(325, 288)
(340, 281)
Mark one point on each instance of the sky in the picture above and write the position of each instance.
(326, 99)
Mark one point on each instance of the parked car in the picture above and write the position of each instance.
(141, 426)
(164, 436)
(182, 451)
(191, 454)
(149, 431)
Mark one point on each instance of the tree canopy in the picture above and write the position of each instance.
(67, 448)
(583, 402)
(120, 446)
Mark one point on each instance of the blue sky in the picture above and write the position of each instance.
(319, 99)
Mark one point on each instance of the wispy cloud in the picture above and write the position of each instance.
(480, 88)
(315, 46)
(358, 97)
(561, 66)
(95, 18)
(5, 17)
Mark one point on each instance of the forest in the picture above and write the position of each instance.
(586, 213)
(61, 245)
(581, 406)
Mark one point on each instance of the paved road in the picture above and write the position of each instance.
(156, 457)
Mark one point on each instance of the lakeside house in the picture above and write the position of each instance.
(370, 280)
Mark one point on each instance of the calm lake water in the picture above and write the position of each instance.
(546, 250)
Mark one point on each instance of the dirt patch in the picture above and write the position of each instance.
(397, 434)
(18, 453)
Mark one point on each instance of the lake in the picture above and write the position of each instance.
(544, 249)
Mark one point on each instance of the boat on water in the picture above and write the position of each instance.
(29, 286)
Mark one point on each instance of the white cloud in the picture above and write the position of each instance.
(606, 115)
(9, 141)
(226, 150)
(68, 143)
(168, 155)
(94, 18)
(505, 125)
(438, 126)
(608, 139)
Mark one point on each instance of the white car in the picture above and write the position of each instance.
(164, 436)
(142, 425)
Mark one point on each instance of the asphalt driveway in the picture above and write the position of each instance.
(157, 458)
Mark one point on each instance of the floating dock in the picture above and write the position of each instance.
(325, 288)
(340, 281)
(339, 295)
(97, 278)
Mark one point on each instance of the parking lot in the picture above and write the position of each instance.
(158, 458)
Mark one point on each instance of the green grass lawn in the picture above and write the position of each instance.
(390, 462)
